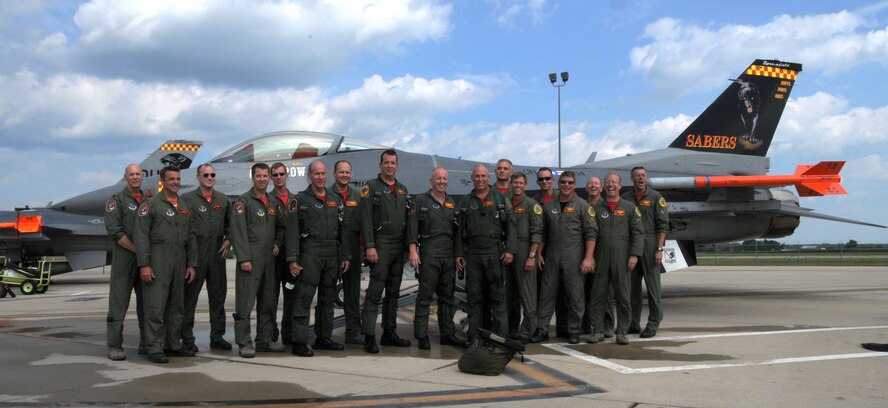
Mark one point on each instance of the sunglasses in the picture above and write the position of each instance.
(279, 174)
(209, 175)
(568, 182)
(544, 178)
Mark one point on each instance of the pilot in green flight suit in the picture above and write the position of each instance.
(210, 214)
(655, 221)
(120, 218)
(384, 205)
(567, 255)
(618, 247)
(523, 293)
(314, 248)
(431, 230)
(256, 232)
(166, 253)
(485, 245)
(351, 278)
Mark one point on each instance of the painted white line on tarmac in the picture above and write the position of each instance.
(560, 347)
(565, 349)
(759, 363)
(761, 333)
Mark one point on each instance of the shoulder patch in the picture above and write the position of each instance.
(143, 209)
(662, 202)
(271, 211)
(351, 203)
(110, 205)
(365, 191)
(411, 207)
(238, 207)
(637, 212)
(448, 204)
(537, 209)
(591, 212)
(293, 206)
(402, 191)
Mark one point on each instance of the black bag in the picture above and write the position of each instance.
(489, 354)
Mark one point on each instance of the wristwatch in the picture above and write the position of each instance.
(532, 255)
(659, 249)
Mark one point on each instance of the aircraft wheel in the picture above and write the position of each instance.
(339, 300)
(42, 289)
(28, 287)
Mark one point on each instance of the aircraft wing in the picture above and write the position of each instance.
(807, 212)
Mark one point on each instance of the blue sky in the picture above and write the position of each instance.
(86, 88)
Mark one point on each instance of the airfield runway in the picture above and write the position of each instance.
(731, 336)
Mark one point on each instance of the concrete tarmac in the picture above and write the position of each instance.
(731, 337)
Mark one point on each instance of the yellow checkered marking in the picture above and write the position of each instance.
(773, 72)
(180, 146)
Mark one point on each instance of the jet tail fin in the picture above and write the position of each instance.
(742, 120)
(172, 153)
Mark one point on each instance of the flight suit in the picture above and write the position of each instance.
(521, 284)
(351, 279)
(281, 276)
(164, 240)
(383, 211)
(432, 228)
(567, 229)
(120, 218)
(255, 229)
(654, 219)
(211, 222)
(561, 299)
(619, 236)
(314, 226)
(486, 231)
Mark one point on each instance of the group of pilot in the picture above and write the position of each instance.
(524, 260)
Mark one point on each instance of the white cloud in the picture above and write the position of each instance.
(509, 11)
(682, 57)
(118, 109)
(824, 122)
(237, 42)
(97, 178)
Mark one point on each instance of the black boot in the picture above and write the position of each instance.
(451, 340)
(370, 344)
(423, 343)
(301, 350)
(324, 343)
(390, 338)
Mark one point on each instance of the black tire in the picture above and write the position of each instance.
(28, 287)
(42, 289)
(339, 300)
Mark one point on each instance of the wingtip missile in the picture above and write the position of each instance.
(810, 180)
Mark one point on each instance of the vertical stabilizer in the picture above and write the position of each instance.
(172, 153)
(743, 118)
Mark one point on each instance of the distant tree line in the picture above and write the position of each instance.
(767, 245)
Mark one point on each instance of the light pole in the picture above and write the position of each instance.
(554, 78)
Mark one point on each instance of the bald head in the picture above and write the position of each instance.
(133, 177)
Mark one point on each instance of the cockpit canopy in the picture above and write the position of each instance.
(282, 146)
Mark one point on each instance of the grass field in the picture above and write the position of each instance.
(827, 258)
